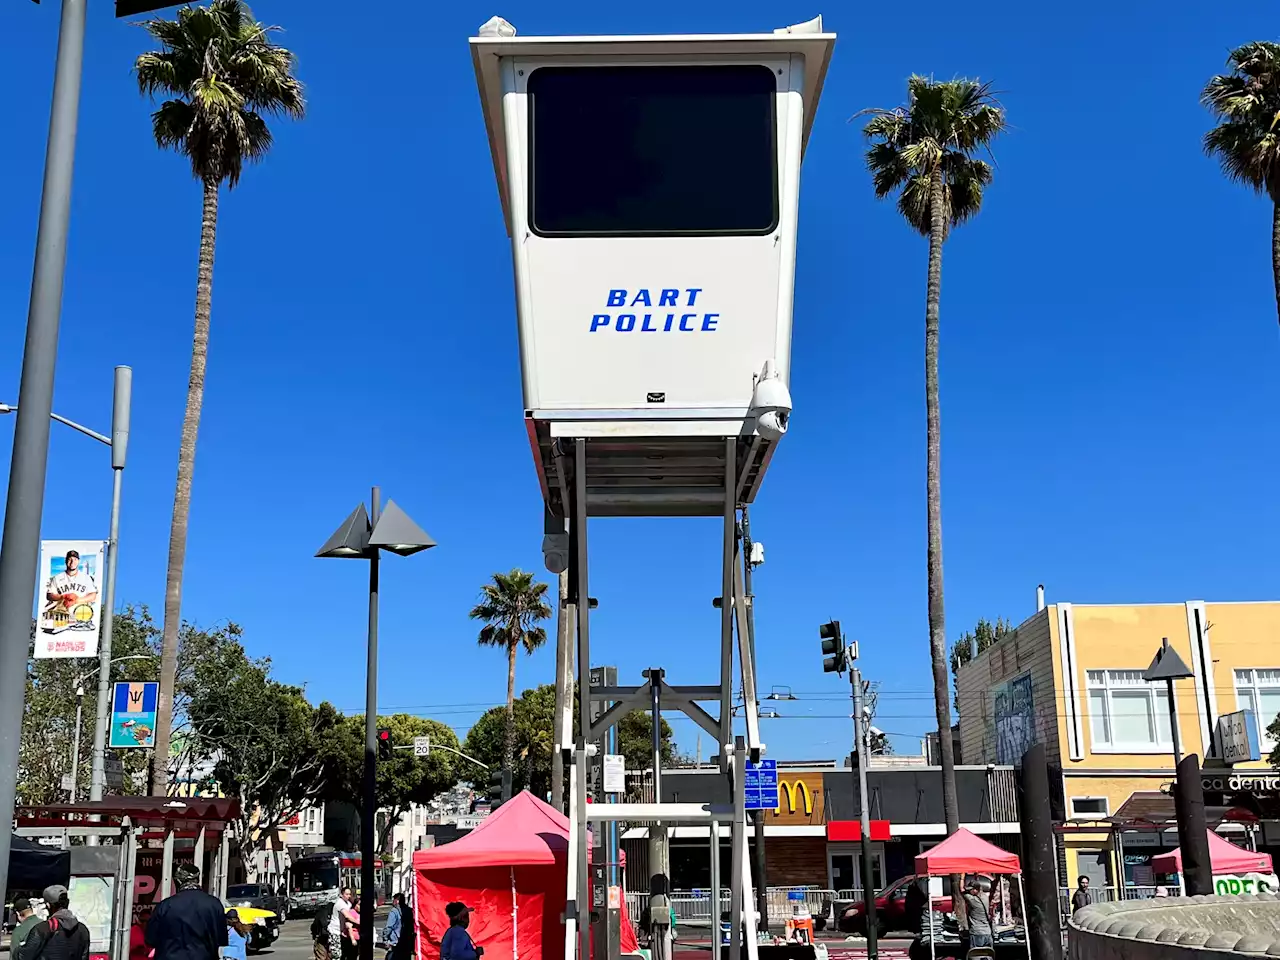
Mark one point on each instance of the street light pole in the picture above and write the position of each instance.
(361, 537)
(369, 806)
(861, 756)
(120, 409)
(20, 546)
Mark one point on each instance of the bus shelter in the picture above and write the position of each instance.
(138, 841)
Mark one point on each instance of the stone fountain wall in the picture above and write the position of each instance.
(1177, 928)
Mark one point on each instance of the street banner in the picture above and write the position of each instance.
(133, 714)
(69, 598)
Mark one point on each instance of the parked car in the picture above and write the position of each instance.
(264, 925)
(260, 896)
(891, 908)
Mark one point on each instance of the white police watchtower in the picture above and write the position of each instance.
(650, 187)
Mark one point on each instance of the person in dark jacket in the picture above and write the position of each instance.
(62, 936)
(190, 925)
(456, 943)
(403, 948)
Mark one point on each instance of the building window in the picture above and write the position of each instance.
(1259, 691)
(1086, 808)
(1127, 714)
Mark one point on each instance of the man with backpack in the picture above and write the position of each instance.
(62, 936)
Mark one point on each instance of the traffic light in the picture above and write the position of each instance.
(499, 788)
(832, 647)
(384, 743)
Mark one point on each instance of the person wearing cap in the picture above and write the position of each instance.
(73, 585)
(456, 943)
(27, 920)
(191, 924)
(61, 937)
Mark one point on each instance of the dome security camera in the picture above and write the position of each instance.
(771, 403)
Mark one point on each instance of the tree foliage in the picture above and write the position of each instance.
(1246, 102)
(404, 780)
(984, 634)
(937, 131)
(511, 607)
(224, 75)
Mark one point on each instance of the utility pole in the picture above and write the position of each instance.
(861, 758)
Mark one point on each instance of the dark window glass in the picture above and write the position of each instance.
(653, 150)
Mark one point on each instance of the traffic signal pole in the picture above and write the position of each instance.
(861, 757)
(837, 657)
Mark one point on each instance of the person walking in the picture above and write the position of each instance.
(978, 913)
(61, 937)
(1080, 899)
(456, 943)
(191, 924)
(27, 920)
(342, 922)
(404, 948)
(391, 929)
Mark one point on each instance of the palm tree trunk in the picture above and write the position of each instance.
(182, 493)
(1275, 248)
(933, 493)
(509, 749)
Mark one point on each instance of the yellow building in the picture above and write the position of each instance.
(1070, 677)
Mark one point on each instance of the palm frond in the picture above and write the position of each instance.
(223, 65)
(938, 129)
(1246, 104)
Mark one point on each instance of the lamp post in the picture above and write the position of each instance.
(24, 505)
(361, 537)
(119, 443)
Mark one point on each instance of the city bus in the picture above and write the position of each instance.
(316, 878)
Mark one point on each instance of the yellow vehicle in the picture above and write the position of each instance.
(264, 926)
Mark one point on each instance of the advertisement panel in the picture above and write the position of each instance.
(1238, 737)
(133, 714)
(69, 600)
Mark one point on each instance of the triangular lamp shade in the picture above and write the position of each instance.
(397, 533)
(351, 539)
(1167, 665)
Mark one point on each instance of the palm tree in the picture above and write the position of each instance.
(924, 152)
(1246, 141)
(511, 607)
(224, 76)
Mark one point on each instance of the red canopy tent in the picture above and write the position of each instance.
(1224, 857)
(966, 852)
(511, 871)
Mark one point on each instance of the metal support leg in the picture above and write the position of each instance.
(716, 908)
(166, 865)
(571, 883)
(726, 599)
(738, 753)
(579, 529)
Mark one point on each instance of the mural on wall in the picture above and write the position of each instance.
(1015, 719)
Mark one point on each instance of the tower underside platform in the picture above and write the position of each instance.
(630, 474)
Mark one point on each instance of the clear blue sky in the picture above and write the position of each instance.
(1109, 352)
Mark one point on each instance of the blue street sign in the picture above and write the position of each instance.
(762, 785)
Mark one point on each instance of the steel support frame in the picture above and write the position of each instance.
(734, 753)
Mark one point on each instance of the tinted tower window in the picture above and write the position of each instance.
(653, 150)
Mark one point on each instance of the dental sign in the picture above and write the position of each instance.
(655, 310)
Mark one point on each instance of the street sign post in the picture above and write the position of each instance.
(422, 746)
(762, 785)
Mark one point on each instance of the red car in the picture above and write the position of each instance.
(891, 908)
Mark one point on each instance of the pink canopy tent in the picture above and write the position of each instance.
(511, 870)
(1224, 857)
(965, 852)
